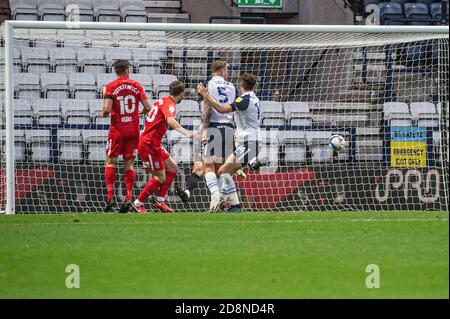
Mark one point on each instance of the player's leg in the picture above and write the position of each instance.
(211, 149)
(110, 179)
(130, 146)
(191, 182)
(130, 178)
(226, 171)
(171, 168)
(152, 163)
(113, 150)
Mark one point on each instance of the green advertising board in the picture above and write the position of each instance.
(259, 3)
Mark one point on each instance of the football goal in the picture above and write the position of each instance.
(383, 88)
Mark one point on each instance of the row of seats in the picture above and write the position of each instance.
(92, 60)
(424, 114)
(77, 145)
(409, 13)
(83, 86)
(79, 10)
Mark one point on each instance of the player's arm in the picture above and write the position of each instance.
(107, 107)
(212, 102)
(147, 107)
(173, 123)
(107, 101)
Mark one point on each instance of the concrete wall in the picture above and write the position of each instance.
(201, 10)
(323, 12)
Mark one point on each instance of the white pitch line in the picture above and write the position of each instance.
(368, 220)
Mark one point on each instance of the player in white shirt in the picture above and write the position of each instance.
(247, 113)
(217, 138)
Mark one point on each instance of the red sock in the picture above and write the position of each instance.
(170, 176)
(149, 189)
(130, 177)
(110, 178)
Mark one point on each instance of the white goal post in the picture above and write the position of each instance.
(330, 35)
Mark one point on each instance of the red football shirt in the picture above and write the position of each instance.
(126, 95)
(156, 122)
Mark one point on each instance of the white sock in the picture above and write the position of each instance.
(211, 182)
(138, 203)
(229, 188)
(160, 199)
(187, 192)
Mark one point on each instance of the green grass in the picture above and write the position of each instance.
(252, 255)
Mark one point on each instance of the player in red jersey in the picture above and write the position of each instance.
(121, 99)
(154, 157)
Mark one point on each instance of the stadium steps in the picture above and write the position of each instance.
(169, 18)
(163, 6)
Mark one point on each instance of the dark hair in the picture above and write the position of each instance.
(248, 81)
(218, 65)
(120, 66)
(176, 88)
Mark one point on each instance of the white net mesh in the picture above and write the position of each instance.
(385, 93)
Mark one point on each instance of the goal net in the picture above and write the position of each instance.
(386, 93)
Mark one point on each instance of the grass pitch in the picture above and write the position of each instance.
(251, 255)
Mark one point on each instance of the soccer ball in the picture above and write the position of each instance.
(336, 142)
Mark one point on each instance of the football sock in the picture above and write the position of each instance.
(130, 177)
(110, 178)
(211, 182)
(229, 189)
(170, 176)
(192, 183)
(149, 189)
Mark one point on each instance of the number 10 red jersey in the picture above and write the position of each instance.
(156, 122)
(126, 95)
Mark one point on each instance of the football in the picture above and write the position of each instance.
(336, 142)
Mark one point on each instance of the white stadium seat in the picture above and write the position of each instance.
(70, 145)
(397, 114)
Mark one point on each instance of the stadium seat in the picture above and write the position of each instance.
(181, 148)
(436, 10)
(27, 86)
(80, 9)
(91, 60)
(95, 141)
(318, 146)
(113, 54)
(47, 111)
(70, 145)
(391, 11)
(17, 60)
(40, 144)
(418, 11)
(294, 146)
(20, 145)
(146, 61)
(158, 48)
(297, 113)
(424, 113)
(54, 86)
(271, 113)
(23, 112)
(107, 10)
(427, 2)
(95, 107)
(402, 2)
(75, 112)
(188, 113)
(103, 79)
(83, 86)
(63, 60)
(146, 81)
(133, 11)
(24, 10)
(397, 114)
(161, 83)
(369, 2)
(52, 10)
(36, 60)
